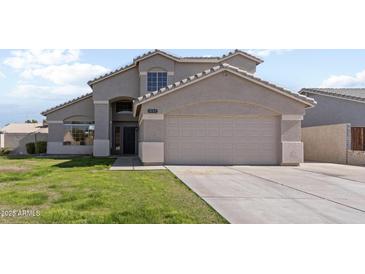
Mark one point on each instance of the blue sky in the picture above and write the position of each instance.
(34, 80)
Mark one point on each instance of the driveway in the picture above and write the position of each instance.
(310, 193)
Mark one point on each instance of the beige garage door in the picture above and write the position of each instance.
(222, 141)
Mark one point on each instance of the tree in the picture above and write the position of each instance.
(33, 121)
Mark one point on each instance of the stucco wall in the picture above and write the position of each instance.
(17, 141)
(122, 84)
(226, 86)
(2, 136)
(242, 63)
(59, 148)
(326, 143)
(80, 111)
(330, 110)
(133, 82)
(226, 94)
(356, 157)
(84, 108)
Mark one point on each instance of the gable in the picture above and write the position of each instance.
(84, 108)
(242, 62)
(226, 86)
(226, 69)
(157, 62)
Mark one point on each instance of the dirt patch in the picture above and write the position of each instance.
(13, 169)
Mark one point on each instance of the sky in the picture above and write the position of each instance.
(32, 81)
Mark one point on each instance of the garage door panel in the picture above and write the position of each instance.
(202, 140)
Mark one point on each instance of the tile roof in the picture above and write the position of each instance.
(75, 100)
(357, 94)
(22, 128)
(176, 58)
(220, 67)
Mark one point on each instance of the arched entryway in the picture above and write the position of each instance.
(124, 128)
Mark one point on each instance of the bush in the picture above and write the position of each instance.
(4, 151)
(30, 148)
(40, 147)
(36, 148)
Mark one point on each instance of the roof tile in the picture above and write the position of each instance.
(357, 94)
(183, 59)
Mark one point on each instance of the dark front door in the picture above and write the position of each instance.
(129, 140)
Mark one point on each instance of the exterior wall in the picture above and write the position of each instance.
(228, 95)
(155, 63)
(184, 70)
(123, 84)
(356, 157)
(226, 87)
(151, 139)
(242, 63)
(331, 110)
(291, 144)
(327, 143)
(80, 111)
(2, 140)
(16, 141)
(59, 148)
(83, 108)
(102, 142)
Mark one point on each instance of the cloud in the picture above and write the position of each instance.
(66, 73)
(345, 81)
(22, 59)
(38, 92)
(2, 75)
(267, 52)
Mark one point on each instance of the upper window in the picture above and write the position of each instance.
(156, 80)
(124, 106)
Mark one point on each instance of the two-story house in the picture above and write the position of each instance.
(183, 110)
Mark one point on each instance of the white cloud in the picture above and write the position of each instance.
(267, 52)
(345, 81)
(22, 59)
(37, 92)
(67, 73)
(2, 75)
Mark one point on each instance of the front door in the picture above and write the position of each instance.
(129, 140)
(124, 140)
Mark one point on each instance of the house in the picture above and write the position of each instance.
(183, 110)
(334, 131)
(15, 136)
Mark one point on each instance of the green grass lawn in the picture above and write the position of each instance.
(83, 190)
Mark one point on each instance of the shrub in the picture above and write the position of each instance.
(40, 147)
(4, 151)
(30, 148)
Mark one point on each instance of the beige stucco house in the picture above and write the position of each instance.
(15, 136)
(183, 110)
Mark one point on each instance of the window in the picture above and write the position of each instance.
(79, 133)
(156, 80)
(123, 106)
(358, 138)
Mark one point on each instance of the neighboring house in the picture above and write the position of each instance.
(15, 136)
(338, 119)
(183, 110)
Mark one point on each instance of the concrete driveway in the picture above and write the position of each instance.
(311, 193)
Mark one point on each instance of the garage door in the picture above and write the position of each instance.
(222, 141)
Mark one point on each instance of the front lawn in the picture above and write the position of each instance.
(83, 190)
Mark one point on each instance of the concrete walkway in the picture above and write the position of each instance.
(131, 163)
(311, 193)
